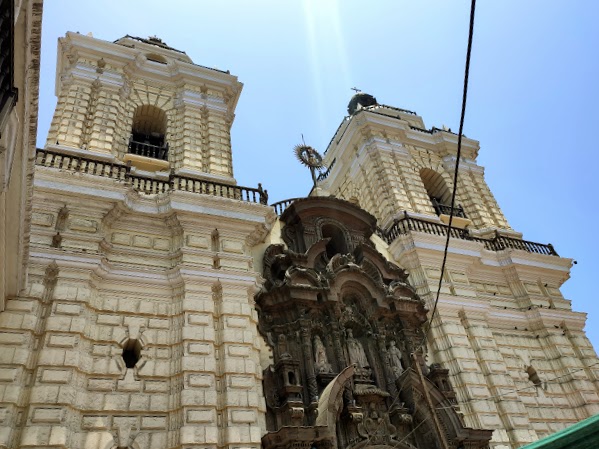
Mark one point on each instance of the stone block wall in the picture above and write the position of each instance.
(517, 354)
(178, 281)
(379, 165)
(101, 85)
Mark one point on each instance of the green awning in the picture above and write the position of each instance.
(582, 435)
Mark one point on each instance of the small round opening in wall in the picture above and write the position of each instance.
(131, 352)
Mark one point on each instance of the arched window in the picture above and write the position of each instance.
(439, 193)
(148, 133)
(337, 244)
(156, 58)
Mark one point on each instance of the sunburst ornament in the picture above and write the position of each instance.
(309, 157)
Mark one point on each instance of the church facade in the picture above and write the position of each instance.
(168, 307)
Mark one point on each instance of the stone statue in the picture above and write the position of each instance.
(356, 351)
(283, 354)
(395, 358)
(321, 362)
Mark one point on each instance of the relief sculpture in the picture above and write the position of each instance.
(321, 361)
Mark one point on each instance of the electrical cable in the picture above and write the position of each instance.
(547, 382)
(449, 227)
(453, 195)
(457, 165)
(452, 407)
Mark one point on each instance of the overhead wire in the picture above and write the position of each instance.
(456, 169)
(446, 250)
(453, 195)
(547, 382)
(491, 398)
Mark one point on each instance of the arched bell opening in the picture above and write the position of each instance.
(337, 243)
(439, 193)
(148, 133)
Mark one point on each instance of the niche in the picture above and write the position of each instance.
(215, 238)
(337, 244)
(61, 219)
(148, 133)
(131, 352)
(435, 186)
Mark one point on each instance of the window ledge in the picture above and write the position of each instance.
(457, 222)
(146, 163)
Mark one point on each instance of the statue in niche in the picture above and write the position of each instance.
(321, 362)
(283, 354)
(395, 358)
(356, 351)
(423, 360)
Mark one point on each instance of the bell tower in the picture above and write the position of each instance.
(511, 342)
(136, 327)
(140, 101)
(384, 158)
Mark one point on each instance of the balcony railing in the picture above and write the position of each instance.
(324, 175)
(497, 243)
(409, 224)
(282, 205)
(145, 184)
(445, 209)
(149, 150)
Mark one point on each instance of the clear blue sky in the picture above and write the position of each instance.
(533, 99)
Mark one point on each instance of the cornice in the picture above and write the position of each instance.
(193, 275)
(122, 61)
(160, 205)
(64, 258)
(89, 73)
(528, 265)
(449, 162)
(499, 319)
(200, 100)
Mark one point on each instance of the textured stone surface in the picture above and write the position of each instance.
(177, 272)
(135, 270)
(501, 315)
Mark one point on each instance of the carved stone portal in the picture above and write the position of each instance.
(345, 322)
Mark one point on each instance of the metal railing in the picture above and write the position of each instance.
(409, 224)
(80, 164)
(147, 184)
(498, 243)
(445, 209)
(325, 174)
(247, 194)
(149, 150)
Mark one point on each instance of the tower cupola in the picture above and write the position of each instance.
(360, 100)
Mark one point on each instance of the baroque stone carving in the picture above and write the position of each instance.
(395, 358)
(321, 361)
(342, 322)
(356, 351)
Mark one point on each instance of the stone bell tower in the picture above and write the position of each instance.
(140, 100)
(137, 326)
(517, 354)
